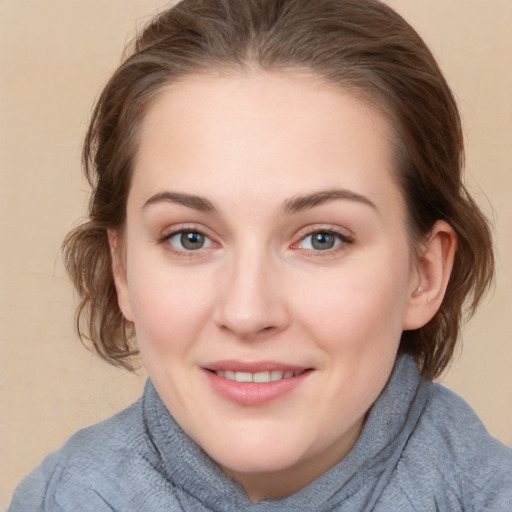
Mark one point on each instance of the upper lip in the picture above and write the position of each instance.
(253, 366)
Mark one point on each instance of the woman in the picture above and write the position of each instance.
(278, 224)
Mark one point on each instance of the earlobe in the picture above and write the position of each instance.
(431, 274)
(119, 274)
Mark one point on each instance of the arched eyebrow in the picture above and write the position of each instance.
(191, 201)
(290, 206)
(307, 201)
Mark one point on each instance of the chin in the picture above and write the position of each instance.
(262, 465)
(258, 456)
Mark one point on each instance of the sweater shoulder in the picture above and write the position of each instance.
(94, 458)
(458, 431)
(452, 452)
(106, 441)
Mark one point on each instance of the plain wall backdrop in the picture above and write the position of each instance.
(54, 57)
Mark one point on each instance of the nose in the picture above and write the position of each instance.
(252, 301)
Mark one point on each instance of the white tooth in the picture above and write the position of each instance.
(220, 373)
(243, 377)
(287, 375)
(276, 375)
(261, 377)
(229, 375)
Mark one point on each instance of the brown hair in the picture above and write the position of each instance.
(361, 45)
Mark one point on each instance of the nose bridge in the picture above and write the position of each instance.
(251, 301)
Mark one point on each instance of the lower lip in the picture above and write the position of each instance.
(254, 393)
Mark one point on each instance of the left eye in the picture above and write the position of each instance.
(321, 241)
(189, 240)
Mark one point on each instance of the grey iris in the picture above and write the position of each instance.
(322, 241)
(191, 240)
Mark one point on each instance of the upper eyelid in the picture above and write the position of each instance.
(309, 230)
(342, 239)
(194, 228)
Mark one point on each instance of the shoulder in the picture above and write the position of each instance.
(451, 452)
(84, 474)
(457, 430)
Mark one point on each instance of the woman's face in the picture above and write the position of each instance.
(267, 269)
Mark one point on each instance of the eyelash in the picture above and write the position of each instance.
(165, 239)
(342, 241)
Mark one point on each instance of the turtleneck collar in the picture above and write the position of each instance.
(366, 469)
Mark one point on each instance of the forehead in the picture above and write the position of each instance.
(261, 131)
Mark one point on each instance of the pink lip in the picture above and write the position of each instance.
(253, 393)
(253, 366)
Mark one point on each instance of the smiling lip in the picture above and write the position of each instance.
(254, 383)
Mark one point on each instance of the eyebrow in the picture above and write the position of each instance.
(307, 201)
(290, 206)
(195, 202)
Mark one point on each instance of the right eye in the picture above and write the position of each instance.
(188, 240)
(321, 241)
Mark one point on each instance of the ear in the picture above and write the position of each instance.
(119, 273)
(430, 275)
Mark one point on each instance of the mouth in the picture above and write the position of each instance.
(258, 377)
(252, 384)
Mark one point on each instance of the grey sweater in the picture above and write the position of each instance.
(422, 449)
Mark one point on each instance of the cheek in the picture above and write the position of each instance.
(359, 306)
(169, 309)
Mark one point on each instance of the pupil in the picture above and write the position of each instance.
(191, 240)
(322, 241)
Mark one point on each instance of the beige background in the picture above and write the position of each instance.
(54, 56)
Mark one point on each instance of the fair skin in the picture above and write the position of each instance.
(266, 234)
